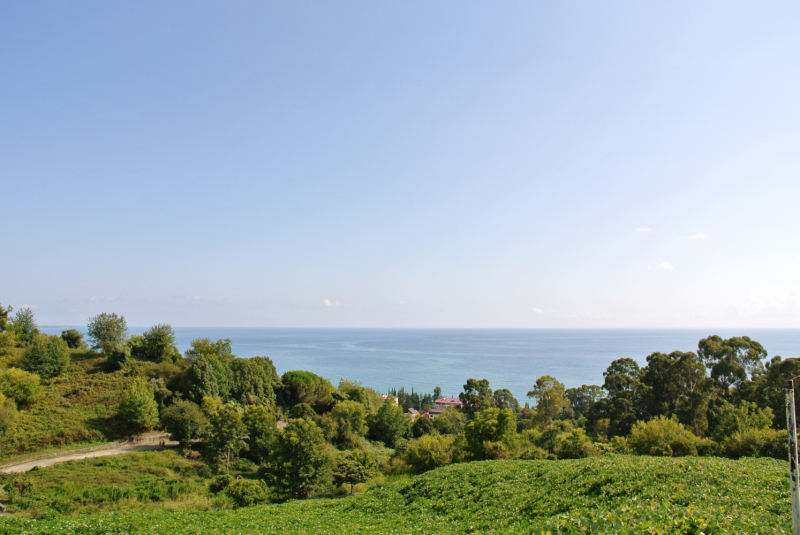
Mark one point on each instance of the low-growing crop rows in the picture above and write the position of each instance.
(609, 494)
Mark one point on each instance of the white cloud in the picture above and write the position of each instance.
(336, 303)
(665, 265)
(401, 303)
(538, 310)
(196, 298)
(643, 229)
(327, 303)
(698, 236)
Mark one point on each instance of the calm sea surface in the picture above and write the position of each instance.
(425, 358)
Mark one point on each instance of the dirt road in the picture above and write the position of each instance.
(25, 466)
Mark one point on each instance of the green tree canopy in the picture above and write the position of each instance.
(503, 399)
(254, 380)
(21, 386)
(676, 384)
(428, 452)
(306, 387)
(46, 356)
(107, 332)
(623, 406)
(25, 326)
(477, 396)
(260, 426)
(73, 338)
(731, 360)
(138, 408)
(551, 398)
(184, 421)
(351, 470)
(157, 345)
(351, 422)
(389, 424)
(296, 463)
(491, 431)
(227, 430)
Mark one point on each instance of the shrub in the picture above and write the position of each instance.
(302, 410)
(246, 492)
(19, 385)
(352, 469)
(156, 345)
(138, 408)
(107, 331)
(756, 443)
(423, 426)
(73, 338)
(46, 356)
(184, 421)
(428, 452)
(662, 436)
(575, 445)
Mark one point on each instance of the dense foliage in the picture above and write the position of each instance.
(613, 494)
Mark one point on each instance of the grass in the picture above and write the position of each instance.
(609, 494)
(132, 481)
(77, 409)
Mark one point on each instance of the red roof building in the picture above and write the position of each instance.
(443, 403)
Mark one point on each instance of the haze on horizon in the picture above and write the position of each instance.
(415, 164)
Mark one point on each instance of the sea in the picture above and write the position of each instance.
(423, 359)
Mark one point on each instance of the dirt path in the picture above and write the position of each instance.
(50, 461)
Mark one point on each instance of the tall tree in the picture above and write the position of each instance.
(389, 424)
(476, 397)
(25, 325)
(261, 428)
(107, 332)
(184, 421)
(503, 399)
(731, 360)
(157, 345)
(623, 406)
(551, 398)
(297, 461)
(227, 430)
(490, 431)
(351, 422)
(676, 385)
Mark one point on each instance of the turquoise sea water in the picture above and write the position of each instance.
(425, 358)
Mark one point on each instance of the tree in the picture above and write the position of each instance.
(247, 492)
(551, 399)
(476, 397)
(503, 399)
(423, 426)
(389, 424)
(157, 345)
(4, 312)
(46, 356)
(73, 338)
(296, 462)
(303, 410)
(107, 332)
(623, 405)
(160, 390)
(491, 431)
(437, 393)
(746, 417)
(582, 400)
(676, 384)
(351, 470)
(351, 422)
(450, 422)
(254, 377)
(260, 425)
(138, 408)
(25, 326)
(8, 413)
(227, 430)
(184, 421)
(307, 387)
(222, 349)
(19, 385)
(731, 360)
(428, 452)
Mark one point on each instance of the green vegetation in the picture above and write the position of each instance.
(611, 494)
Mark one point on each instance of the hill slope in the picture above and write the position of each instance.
(612, 494)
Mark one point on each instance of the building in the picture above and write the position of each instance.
(443, 403)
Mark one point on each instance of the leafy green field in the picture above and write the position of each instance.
(609, 494)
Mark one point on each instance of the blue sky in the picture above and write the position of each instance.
(406, 164)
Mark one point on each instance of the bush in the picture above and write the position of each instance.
(423, 426)
(184, 421)
(575, 445)
(156, 345)
(246, 492)
(46, 356)
(428, 452)
(138, 408)
(662, 436)
(73, 338)
(19, 385)
(756, 443)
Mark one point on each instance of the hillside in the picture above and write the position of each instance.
(609, 494)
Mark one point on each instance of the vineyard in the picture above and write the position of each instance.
(608, 494)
